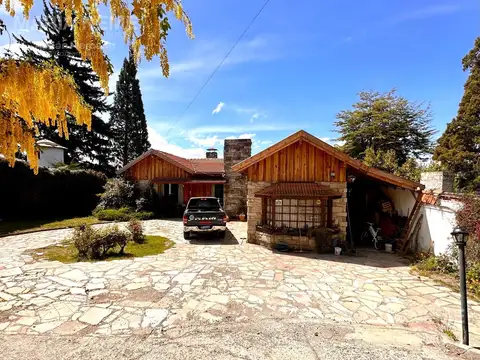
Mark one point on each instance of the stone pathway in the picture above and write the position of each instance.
(210, 281)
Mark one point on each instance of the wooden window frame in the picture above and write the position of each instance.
(321, 214)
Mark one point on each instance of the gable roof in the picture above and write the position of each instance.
(49, 144)
(348, 160)
(191, 166)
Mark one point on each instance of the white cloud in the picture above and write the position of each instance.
(242, 136)
(206, 55)
(160, 143)
(207, 141)
(218, 108)
(254, 117)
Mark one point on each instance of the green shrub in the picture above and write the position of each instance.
(142, 215)
(82, 239)
(94, 244)
(135, 227)
(443, 263)
(118, 193)
(122, 214)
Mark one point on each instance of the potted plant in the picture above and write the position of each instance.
(242, 217)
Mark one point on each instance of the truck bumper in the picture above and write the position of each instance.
(214, 228)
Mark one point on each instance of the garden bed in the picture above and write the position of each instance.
(67, 252)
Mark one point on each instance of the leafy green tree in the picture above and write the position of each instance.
(386, 121)
(387, 160)
(458, 148)
(90, 149)
(128, 117)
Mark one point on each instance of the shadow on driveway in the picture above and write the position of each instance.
(364, 256)
(213, 239)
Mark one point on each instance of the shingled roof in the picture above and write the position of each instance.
(192, 166)
(299, 190)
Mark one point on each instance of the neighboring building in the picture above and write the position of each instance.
(181, 178)
(300, 184)
(50, 153)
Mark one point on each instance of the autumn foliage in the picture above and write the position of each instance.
(30, 94)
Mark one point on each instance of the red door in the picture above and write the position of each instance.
(196, 190)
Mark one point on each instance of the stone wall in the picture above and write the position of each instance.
(235, 150)
(295, 242)
(438, 181)
(254, 207)
(254, 214)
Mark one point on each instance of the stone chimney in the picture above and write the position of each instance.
(235, 198)
(437, 181)
(212, 153)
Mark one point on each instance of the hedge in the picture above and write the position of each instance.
(53, 193)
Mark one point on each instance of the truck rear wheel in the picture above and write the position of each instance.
(221, 234)
(186, 235)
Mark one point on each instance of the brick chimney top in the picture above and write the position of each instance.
(212, 153)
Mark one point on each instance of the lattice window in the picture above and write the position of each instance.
(295, 213)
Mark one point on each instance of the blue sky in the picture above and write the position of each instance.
(296, 67)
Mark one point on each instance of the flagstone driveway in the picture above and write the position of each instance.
(209, 281)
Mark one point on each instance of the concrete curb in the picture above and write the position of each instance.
(464, 351)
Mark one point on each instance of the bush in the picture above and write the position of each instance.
(444, 263)
(473, 279)
(94, 244)
(122, 214)
(118, 193)
(468, 218)
(135, 227)
(53, 193)
(82, 239)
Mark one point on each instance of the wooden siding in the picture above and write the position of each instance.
(299, 161)
(153, 167)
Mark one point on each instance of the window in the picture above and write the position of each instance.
(296, 213)
(203, 204)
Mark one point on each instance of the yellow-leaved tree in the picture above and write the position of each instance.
(32, 94)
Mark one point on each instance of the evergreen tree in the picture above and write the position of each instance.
(385, 122)
(90, 149)
(458, 148)
(128, 117)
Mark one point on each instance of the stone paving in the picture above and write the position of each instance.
(209, 280)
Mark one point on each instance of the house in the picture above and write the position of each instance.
(302, 184)
(180, 179)
(50, 153)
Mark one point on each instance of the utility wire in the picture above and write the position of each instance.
(218, 66)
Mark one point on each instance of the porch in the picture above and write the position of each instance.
(178, 191)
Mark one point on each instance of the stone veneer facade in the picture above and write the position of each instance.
(234, 151)
(254, 216)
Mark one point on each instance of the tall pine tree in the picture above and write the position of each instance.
(458, 148)
(128, 117)
(91, 149)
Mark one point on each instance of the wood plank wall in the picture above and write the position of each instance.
(300, 161)
(153, 167)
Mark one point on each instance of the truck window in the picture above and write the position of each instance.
(203, 204)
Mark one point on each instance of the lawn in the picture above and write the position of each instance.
(18, 227)
(67, 253)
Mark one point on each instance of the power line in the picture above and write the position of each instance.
(218, 66)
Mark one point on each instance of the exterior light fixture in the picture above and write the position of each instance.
(460, 236)
(351, 179)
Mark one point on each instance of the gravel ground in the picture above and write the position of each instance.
(252, 340)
